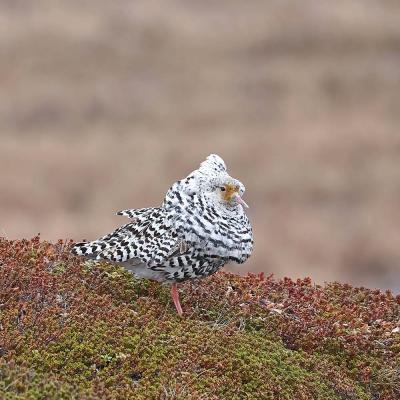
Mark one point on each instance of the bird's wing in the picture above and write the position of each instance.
(149, 239)
(136, 212)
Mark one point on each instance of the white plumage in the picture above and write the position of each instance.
(200, 226)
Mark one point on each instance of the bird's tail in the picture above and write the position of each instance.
(88, 249)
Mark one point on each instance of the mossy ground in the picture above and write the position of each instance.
(72, 329)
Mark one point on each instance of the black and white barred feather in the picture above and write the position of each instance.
(191, 235)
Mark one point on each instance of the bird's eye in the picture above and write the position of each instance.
(222, 188)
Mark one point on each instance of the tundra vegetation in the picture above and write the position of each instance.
(76, 329)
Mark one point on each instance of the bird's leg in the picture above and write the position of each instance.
(175, 298)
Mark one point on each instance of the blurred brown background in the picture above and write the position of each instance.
(104, 104)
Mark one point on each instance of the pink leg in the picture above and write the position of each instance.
(175, 297)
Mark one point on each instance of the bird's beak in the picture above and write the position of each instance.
(240, 200)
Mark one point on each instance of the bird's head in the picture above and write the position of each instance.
(218, 184)
(231, 192)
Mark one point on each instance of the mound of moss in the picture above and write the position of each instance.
(73, 329)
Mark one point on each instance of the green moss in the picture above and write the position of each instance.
(20, 383)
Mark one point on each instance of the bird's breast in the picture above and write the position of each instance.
(217, 236)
